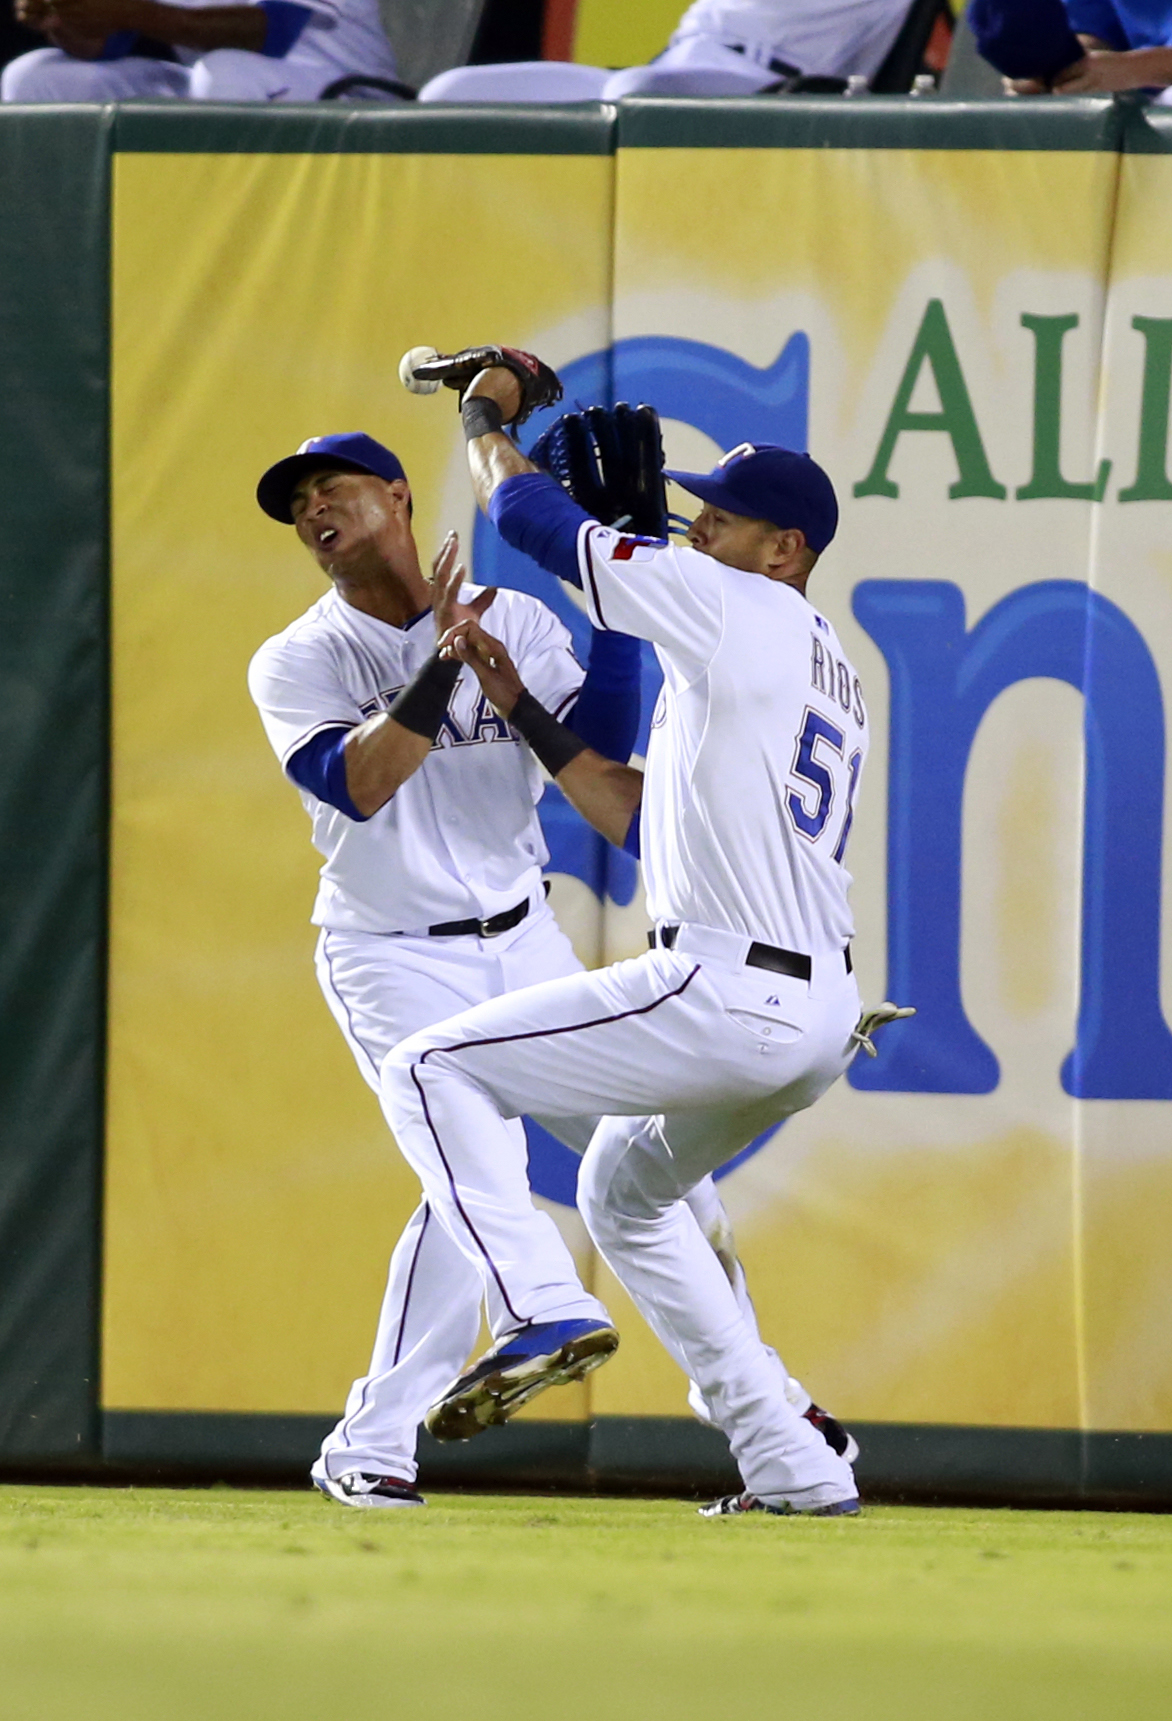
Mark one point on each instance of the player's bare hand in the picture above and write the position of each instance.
(448, 574)
(467, 642)
(1104, 72)
(500, 385)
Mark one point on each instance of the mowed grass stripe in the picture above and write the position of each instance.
(137, 1604)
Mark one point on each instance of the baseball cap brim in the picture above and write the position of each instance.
(275, 490)
(710, 489)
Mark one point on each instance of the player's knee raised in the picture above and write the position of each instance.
(46, 75)
(396, 1073)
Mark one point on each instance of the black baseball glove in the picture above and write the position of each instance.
(540, 386)
(610, 459)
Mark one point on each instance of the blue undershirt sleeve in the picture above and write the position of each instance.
(606, 715)
(533, 513)
(1025, 38)
(1099, 18)
(118, 45)
(320, 769)
(284, 22)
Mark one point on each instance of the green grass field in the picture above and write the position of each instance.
(129, 1604)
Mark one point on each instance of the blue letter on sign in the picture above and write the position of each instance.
(943, 680)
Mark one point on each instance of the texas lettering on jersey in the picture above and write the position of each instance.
(487, 724)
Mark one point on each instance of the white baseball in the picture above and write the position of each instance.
(417, 356)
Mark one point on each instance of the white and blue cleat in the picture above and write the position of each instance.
(735, 1505)
(361, 1488)
(544, 1354)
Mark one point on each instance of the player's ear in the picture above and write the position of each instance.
(784, 546)
(401, 491)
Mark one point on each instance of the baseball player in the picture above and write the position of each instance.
(424, 806)
(258, 50)
(745, 1010)
(737, 47)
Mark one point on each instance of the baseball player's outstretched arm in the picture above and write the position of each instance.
(535, 514)
(493, 457)
(605, 793)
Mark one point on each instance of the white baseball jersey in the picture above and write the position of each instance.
(460, 839)
(830, 38)
(757, 743)
(342, 36)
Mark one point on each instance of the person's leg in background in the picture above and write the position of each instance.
(48, 75)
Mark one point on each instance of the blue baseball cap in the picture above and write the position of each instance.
(349, 450)
(765, 482)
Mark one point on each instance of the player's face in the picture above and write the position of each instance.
(341, 516)
(733, 539)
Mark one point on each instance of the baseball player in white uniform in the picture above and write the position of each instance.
(431, 899)
(257, 50)
(746, 1009)
(737, 47)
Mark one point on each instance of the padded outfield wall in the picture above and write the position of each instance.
(966, 313)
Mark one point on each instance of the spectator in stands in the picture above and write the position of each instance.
(736, 47)
(1077, 47)
(259, 50)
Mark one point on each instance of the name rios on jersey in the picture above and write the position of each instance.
(485, 724)
(829, 675)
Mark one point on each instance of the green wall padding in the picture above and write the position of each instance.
(54, 172)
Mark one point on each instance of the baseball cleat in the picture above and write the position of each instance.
(546, 1353)
(735, 1505)
(360, 1488)
(832, 1431)
(839, 1439)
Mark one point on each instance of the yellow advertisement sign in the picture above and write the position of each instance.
(253, 1193)
(930, 321)
(974, 342)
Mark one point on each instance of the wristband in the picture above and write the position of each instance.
(423, 702)
(551, 741)
(481, 417)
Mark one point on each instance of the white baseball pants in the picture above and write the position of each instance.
(222, 75)
(379, 990)
(716, 1051)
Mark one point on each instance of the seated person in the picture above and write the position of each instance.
(738, 47)
(259, 50)
(1126, 45)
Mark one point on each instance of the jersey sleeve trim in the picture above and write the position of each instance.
(320, 769)
(589, 582)
(318, 729)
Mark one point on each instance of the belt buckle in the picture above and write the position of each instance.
(489, 930)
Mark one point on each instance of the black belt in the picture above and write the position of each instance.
(780, 69)
(482, 928)
(790, 962)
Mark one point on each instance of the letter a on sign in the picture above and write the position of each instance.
(933, 346)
